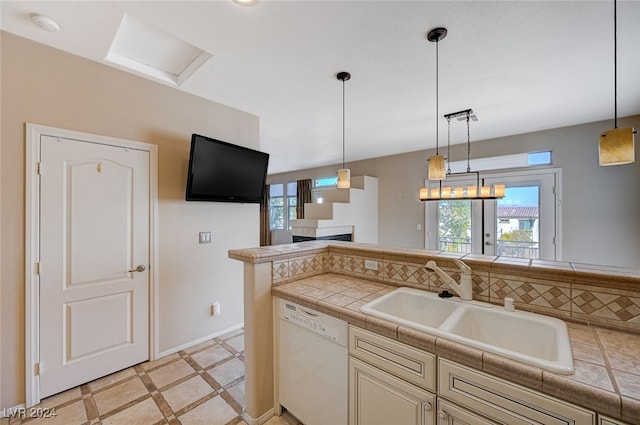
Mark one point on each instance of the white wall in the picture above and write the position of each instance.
(45, 86)
(600, 204)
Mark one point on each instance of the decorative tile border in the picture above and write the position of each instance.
(607, 296)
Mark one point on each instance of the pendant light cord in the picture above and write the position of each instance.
(615, 63)
(468, 144)
(448, 145)
(437, 96)
(343, 115)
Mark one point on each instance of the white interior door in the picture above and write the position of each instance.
(94, 261)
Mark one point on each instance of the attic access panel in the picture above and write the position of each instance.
(150, 52)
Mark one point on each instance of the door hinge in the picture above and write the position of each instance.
(36, 369)
(39, 168)
(38, 268)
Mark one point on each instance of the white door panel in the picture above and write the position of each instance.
(94, 211)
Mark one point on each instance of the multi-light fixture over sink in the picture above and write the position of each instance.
(496, 191)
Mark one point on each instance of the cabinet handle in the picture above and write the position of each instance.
(427, 406)
(442, 414)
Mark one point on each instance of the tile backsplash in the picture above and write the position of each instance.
(605, 296)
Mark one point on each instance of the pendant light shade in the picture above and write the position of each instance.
(616, 146)
(344, 178)
(436, 168)
(344, 174)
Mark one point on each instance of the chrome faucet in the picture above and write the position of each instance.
(464, 289)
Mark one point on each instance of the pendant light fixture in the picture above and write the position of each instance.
(436, 162)
(616, 146)
(344, 174)
(471, 192)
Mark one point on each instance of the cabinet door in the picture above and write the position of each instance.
(378, 398)
(450, 414)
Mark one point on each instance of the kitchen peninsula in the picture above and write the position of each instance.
(599, 304)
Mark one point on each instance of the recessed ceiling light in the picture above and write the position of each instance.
(45, 22)
(246, 2)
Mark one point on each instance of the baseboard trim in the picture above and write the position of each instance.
(261, 420)
(197, 341)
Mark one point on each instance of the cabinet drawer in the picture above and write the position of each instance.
(504, 402)
(408, 363)
(608, 421)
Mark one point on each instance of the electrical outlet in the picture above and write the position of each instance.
(371, 264)
(204, 237)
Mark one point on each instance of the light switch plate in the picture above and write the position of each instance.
(204, 237)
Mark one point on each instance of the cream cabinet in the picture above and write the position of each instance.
(503, 402)
(451, 414)
(389, 382)
(603, 420)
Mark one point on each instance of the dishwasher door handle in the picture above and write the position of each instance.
(308, 313)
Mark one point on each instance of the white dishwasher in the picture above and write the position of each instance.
(312, 365)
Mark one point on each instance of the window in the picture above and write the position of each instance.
(523, 224)
(279, 217)
(276, 207)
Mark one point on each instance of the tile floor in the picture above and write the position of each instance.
(201, 385)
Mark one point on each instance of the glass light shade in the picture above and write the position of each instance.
(616, 147)
(435, 193)
(424, 193)
(344, 178)
(458, 192)
(485, 191)
(446, 193)
(472, 191)
(436, 167)
(498, 190)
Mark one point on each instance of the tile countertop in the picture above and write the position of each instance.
(607, 362)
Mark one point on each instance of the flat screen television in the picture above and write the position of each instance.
(224, 172)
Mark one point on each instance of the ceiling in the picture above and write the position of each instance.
(522, 66)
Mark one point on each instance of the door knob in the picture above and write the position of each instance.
(140, 269)
(488, 243)
(442, 414)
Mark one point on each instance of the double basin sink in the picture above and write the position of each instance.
(526, 337)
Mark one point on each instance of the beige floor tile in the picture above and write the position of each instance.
(211, 355)
(228, 371)
(119, 395)
(73, 414)
(276, 420)
(142, 413)
(58, 399)
(170, 373)
(200, 346)
(213, 412)
(160, 361)
(232, 334)
(186, 393)
(111, 379)
(237, 342)
(237, 392)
